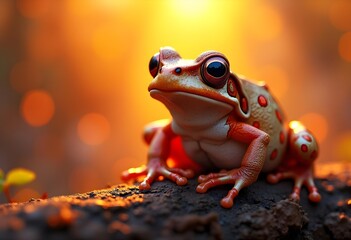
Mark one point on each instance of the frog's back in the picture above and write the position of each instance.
(267, 115)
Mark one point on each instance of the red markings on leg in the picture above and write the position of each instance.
(307, 137)
(274, 154)
(304, 148)
(295, 195)
(279, 116)
(281, 137)
(314, 196)
(256, 124)
(262, 101)
(244, 106)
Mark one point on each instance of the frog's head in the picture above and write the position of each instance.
(197, 92)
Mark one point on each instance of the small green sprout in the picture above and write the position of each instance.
(15, 177)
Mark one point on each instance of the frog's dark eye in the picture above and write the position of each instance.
(154, 64)
(215, 72)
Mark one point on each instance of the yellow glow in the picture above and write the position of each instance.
(296, 126)
(171, 162)
(136, 170)
(111, 5)
(100, 202)
(106, 43)
(191, 8)
(266, 22)
(93, 128)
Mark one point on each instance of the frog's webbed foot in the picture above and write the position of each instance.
(224, 177)
(301, 177)
(154, 170)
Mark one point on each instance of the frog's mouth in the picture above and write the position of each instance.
(192, 110)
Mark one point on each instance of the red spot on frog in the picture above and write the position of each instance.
(282, 137)
(256, 124)
(262, 101)
(231, 89)
(274, 154)
(279, 116)
(307, 138)
(244, 105)
(304, 148)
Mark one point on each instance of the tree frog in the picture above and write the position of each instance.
(224, 126)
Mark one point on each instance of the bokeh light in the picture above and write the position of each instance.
(93, 129)
(37, 107)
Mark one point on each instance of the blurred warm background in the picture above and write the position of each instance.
(74, 77)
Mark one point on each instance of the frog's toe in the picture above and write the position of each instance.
(213, 180)
(273, 178)
(228, 201)
(187, 173)
(314, 197)
(206, 178)
(295, 197)
(144, 185)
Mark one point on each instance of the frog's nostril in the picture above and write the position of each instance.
(160, 71)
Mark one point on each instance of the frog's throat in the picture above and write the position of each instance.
(192, 110)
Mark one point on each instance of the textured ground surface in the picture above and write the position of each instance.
(173, 212)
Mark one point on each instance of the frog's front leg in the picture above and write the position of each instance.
(251, 164)
(303, 151)
(159, 137)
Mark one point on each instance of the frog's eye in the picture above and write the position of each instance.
(154, 64)
(215, 72)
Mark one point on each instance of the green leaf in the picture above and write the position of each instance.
(1, 174)
(19, 176)
(1, 184)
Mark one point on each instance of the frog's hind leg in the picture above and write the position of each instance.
(303, 151)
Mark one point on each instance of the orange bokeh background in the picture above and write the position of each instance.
(74, 77)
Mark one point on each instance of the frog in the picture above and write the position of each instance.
(224, 128)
